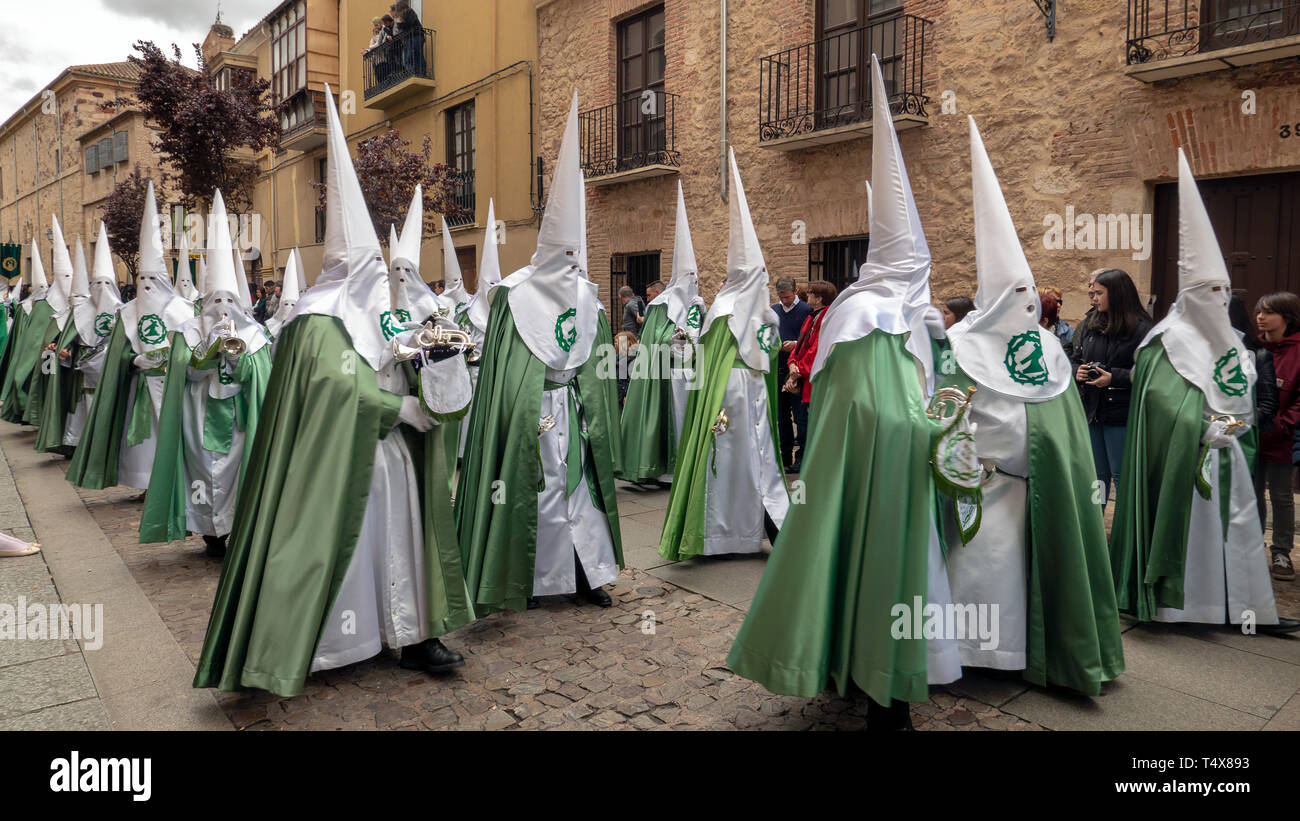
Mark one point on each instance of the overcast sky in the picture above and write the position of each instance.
(39, 40)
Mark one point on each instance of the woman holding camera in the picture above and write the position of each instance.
(1104, 346)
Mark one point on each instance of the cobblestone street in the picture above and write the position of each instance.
(562, 666)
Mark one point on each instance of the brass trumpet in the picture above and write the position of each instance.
(438, 339)
(229, 342)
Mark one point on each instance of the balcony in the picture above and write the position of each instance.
(302, 121)
(1177, 38)
(463, 198)
(820, 92)
(399, 68)
(630, 140)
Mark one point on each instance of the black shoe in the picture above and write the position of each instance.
(214, 546)
(431, 656)
(1282, 627)
(897, 716)
(794, 467)
(533, 603)
(597, 597)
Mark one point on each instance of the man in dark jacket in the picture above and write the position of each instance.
(410, 34)
(791, 413)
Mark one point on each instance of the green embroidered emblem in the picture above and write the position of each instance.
(403, 315)
(151, 329)
(225, 378)
(564, 338)
(957, 459)
(388, 325)
(694, 317)
(1024, 359)
(104, 324)
(1228, 374)
(767, 337)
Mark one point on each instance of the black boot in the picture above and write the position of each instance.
(1283, 626)
(597, 596)
(431, 656)
(214, 546)
(533, 603)
(897, 716)
(770, 527)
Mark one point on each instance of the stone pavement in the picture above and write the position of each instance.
(44, 683)
(570, 667)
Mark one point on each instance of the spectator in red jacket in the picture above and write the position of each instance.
(820, 295)
(1278, 318)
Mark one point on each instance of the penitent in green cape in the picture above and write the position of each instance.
(857, 545)
(60, 390)
(496, 504)
(647, 430)
(163, 517)
(32, 332)
(301, 504)
(94, 463)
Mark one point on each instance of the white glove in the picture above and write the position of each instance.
(1217, 436)
(412, 414)
(149, 361)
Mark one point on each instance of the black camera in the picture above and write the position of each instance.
(1094, 370)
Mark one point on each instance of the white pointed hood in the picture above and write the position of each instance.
(156, 309)
(1197, 336)
(489, 275)
(1000, 344)
(105, 297)
(353, 283)
(745, 300)
(454, 297)
(185, 287)
(681, 297)
(413, 300)
(82, 309)
(553, 303)
(201, 281)
(60, 293)
(241, 280)
(892, 292)
(290, 290)
(222, 299)
(40, 286)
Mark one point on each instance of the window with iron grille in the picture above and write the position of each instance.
(321, 169)
(289, 51)
(633, 270)
(641, 63)
(461, 144)
(847, 34)
(837, 260)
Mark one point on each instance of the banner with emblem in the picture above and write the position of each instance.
(11, 255)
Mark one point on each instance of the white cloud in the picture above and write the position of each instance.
(35, 48)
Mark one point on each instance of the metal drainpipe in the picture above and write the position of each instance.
(722, 142)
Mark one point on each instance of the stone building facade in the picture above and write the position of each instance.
(44, 148)
(1082, 125)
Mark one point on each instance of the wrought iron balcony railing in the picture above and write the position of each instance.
(463, 198)
(1166, 29)
(408, 55)
(637, 132)
(826, 84)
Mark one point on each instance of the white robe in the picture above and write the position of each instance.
(75, 421)
(991, 569)
(381, 600)
(209, 506)
(749, 479)
(136, 462)
(1223, 579)
(567, 524)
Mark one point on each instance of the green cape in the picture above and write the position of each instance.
(1073, 632)
(503, 460)
(60, 392)
(647, 430)
(684, 522)
(302, 500)
(37, 331)
(94, 463)
(1148, 540)
(860, 542)
(163, 517)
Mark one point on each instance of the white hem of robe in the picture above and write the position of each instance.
(567, 524)
(135, 463)
(1222, 578)
(749, 481)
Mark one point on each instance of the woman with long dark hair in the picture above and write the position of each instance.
(1278, 318)
(1104, 347)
